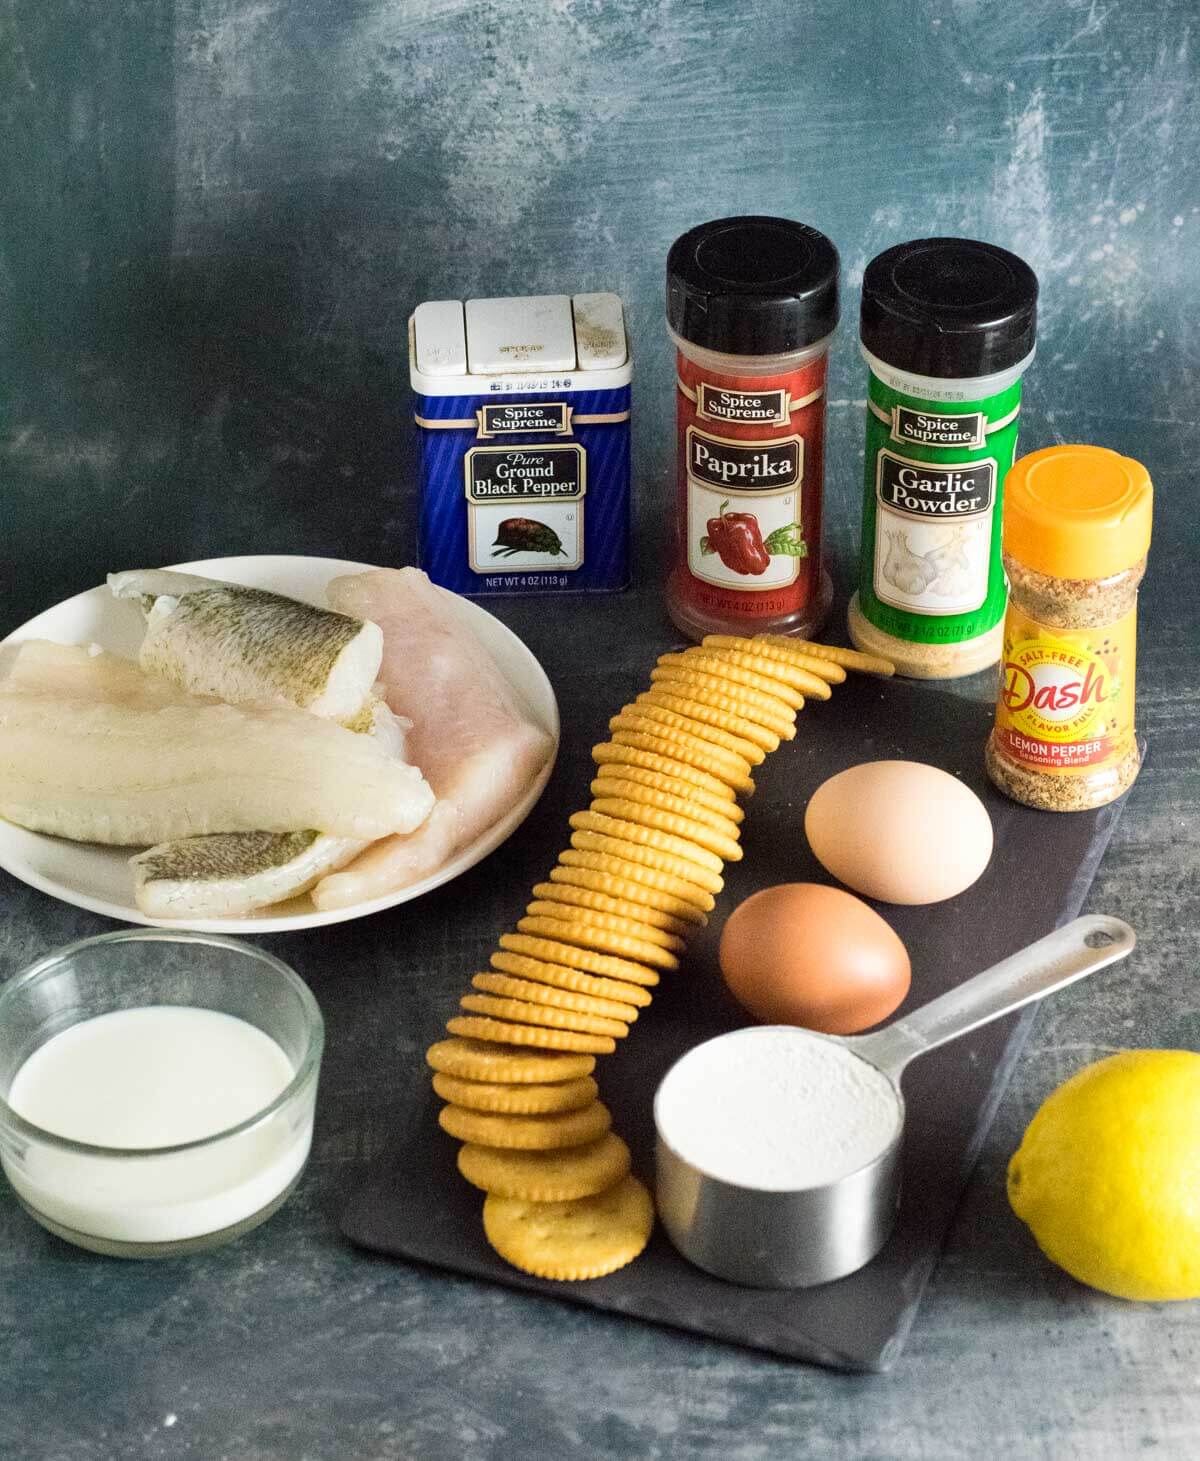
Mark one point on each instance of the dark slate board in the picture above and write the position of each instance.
(416, 1206)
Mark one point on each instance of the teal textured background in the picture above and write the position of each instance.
(218, 213)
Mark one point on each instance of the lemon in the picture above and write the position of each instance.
(1107, 1176)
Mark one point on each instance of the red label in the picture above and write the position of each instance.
(1054, 755)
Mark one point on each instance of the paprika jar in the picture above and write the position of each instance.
(1076, 533)
(751, 304)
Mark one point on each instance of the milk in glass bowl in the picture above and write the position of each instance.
(156, 1089)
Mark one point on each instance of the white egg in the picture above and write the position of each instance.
(899, 831)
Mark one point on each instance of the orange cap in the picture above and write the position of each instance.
(1077, 512)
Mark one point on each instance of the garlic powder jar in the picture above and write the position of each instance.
(947, 332)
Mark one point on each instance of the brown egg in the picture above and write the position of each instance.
(804, 954)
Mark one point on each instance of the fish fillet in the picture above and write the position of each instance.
(472, 738)
(233, 873)
(238, 643)
(88, 674)
(116, 771)
(245, 644)
(229, 874)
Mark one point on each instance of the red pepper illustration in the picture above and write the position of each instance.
(737, 540)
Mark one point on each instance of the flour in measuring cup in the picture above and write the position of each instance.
(776, 1108)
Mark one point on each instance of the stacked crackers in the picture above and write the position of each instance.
(641, 874)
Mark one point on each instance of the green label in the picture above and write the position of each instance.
(930, 571)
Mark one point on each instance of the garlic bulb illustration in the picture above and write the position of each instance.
(943, 570)
(903, 568)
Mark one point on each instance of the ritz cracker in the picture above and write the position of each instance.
(751, 305)
(523, 408)
(610, 922)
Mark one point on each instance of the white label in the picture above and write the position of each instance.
(504, 536)
(525, 506)
(932, 567)
(756, 408)
(933, 532)
(776, 526)
(744, 510)
(962, 432)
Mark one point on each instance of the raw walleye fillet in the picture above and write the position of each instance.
(246, 644)
(229, 874)
(233, 873)
(470, 735)
(100, 756)
(75, 671)
(241, 644)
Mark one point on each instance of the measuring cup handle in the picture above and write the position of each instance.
(1067, 954)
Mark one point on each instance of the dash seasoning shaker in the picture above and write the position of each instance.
(751, 305)
(1076, 533)
(947, 330)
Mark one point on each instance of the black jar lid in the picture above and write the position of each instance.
(752, 286)
(949, 307)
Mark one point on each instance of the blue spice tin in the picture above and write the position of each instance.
(523, 411)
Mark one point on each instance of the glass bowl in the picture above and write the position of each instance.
(143, 1200)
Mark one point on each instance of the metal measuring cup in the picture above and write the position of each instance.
(797, 1238)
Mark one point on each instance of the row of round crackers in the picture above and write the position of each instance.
(641, 875)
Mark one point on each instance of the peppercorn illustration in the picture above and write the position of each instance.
(525, 535)
(736, 539)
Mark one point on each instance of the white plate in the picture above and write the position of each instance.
(100, 879)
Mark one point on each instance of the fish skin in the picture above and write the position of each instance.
(103, 771)
(470, 734)
(246, 644)
(230, 874)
